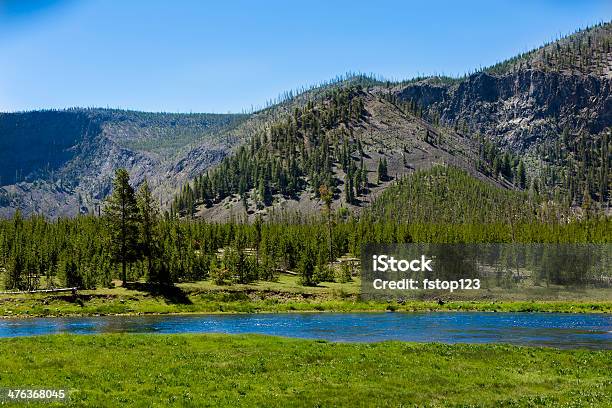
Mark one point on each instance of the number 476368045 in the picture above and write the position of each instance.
(35, 394)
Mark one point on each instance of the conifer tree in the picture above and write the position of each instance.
(264, 191)
(306, 266)
(382, 170)
(604, 171)
(327, 196)
(506, 166)
(257, 224)
(148, 217)
(15, 277)
(348, 188)
(121, 213)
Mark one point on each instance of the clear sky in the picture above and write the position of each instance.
(201, 56)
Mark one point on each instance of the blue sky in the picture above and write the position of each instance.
(198, 56)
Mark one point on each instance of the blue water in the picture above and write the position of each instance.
(536, 329)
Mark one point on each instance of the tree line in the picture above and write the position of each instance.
(131, 241)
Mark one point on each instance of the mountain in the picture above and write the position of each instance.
(552, 107)
(538, 122)
(339, 138)
(60, 163)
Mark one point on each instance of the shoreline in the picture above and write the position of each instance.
(285, 296)
(560, 307)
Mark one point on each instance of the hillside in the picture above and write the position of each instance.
(446, 195)
(585, 51)
(339, 140)
(552, 107)
(61, 162)
(538, 122)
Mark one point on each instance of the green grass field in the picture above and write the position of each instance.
(251, 370)
(285, 295)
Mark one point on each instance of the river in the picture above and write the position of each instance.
(592, 331)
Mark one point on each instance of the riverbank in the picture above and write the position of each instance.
(251, 370)
(285, 295)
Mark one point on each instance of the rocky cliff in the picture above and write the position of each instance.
(521, 107)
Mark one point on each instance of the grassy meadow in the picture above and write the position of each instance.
(251, 370)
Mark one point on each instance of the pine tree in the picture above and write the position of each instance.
(306, 266)
(327, 196)
(148, 217)
(121, 213)
(258, 225)
(348, 188)
(382, 170)
(604, 172)
(357, 183)
(15, 276)
(496, 167)
(506, 166)
(364, 179)
(264, 191)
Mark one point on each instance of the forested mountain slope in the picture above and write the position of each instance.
(448, 195)
(551, 106)
(345, 146)
(539, 122)
(61, 162)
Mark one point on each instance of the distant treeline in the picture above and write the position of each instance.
(450, 195)
(132, 241)
(586, 49)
